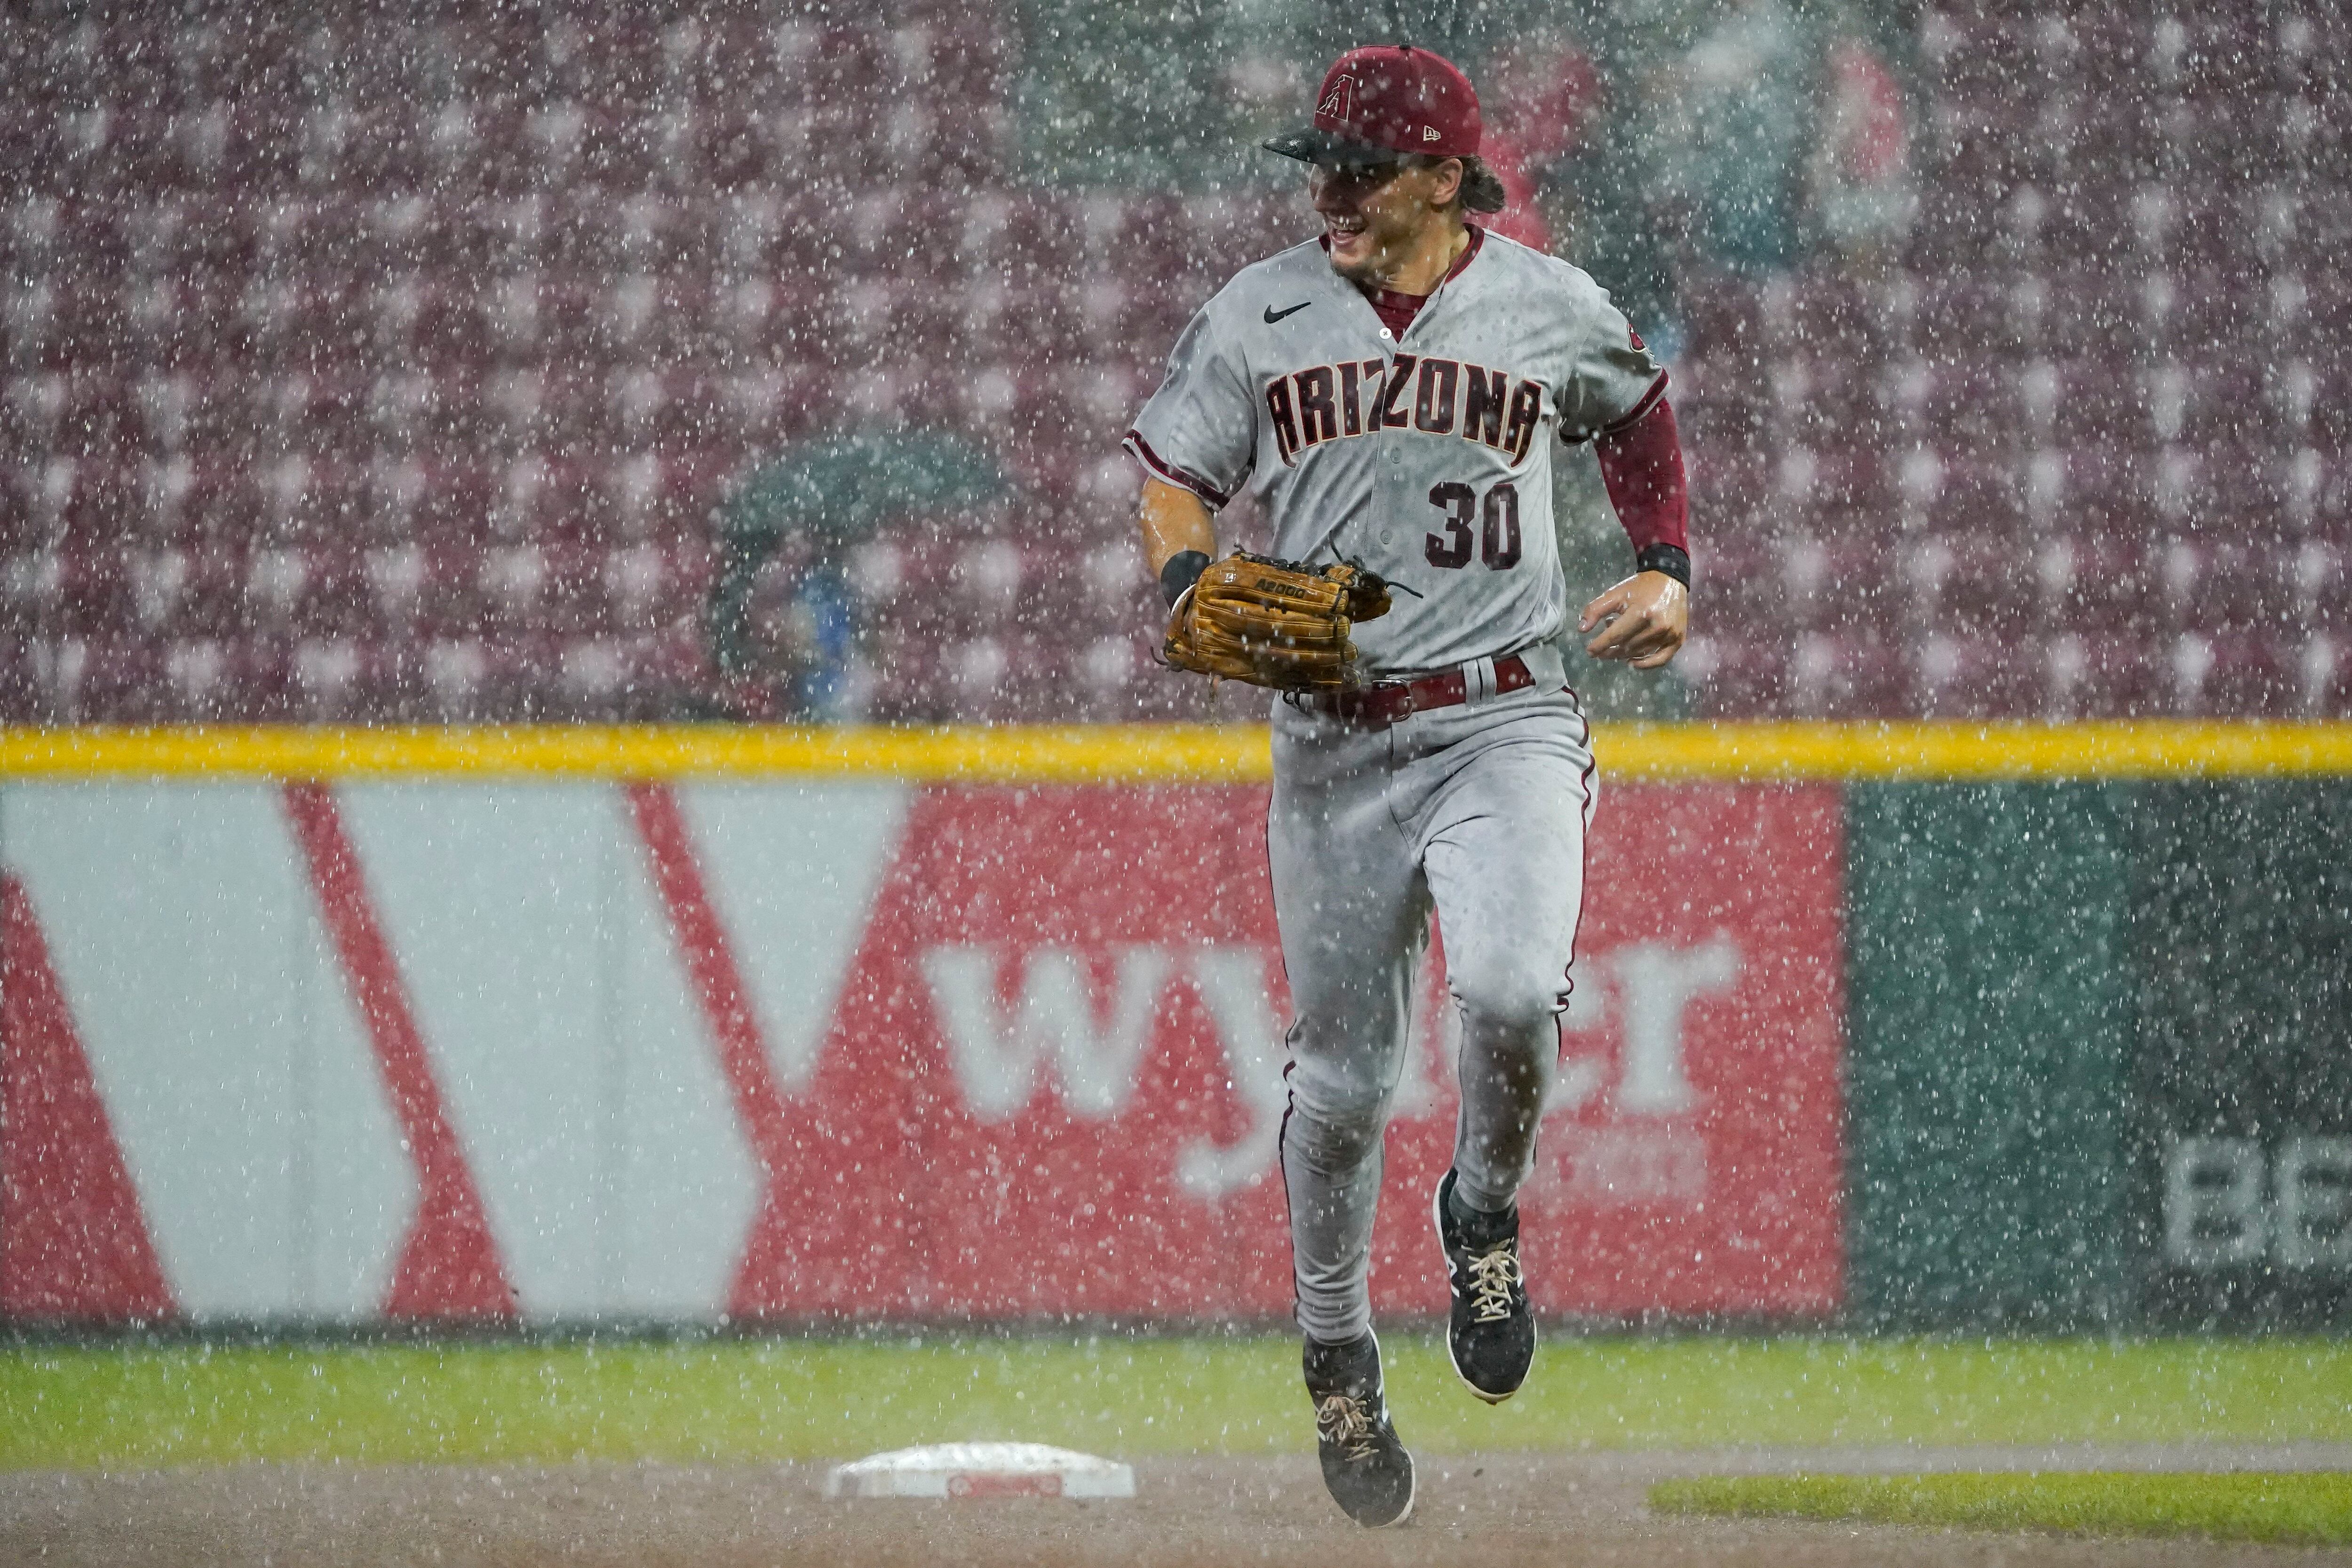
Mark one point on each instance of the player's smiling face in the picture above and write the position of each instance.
(1377, 217)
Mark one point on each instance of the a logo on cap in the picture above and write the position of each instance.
(1339, 102)
(1429, 132)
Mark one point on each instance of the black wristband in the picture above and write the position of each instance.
(1671, 559)
(1184, 569)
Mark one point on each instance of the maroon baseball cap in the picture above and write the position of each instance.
(1384, 101)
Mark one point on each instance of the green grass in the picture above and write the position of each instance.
(778, 1399)
(2312, 1509)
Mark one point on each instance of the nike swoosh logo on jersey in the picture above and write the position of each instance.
(1273, 315)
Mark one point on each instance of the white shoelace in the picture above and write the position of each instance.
(1346, 1420)
(1494, 1274)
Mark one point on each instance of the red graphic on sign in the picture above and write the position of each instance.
(727, 1011)
(449, 1266)
(73, 1243)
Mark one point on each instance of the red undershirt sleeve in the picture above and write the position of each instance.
(1643, 466)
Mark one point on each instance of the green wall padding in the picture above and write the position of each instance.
(1989, 1025)
(2242, 938)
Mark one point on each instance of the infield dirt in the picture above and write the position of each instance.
(1473, 1511)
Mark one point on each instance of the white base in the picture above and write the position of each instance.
(981, 1470)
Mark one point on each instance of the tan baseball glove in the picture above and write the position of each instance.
(1273, 623)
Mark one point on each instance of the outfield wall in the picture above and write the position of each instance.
(2100, 1052)
(579, 1025)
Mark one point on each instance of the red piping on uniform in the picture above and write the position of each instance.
(449, 1266)
(1640, 411)
(1289, 1091)
(1585, 880)
(1183, 478)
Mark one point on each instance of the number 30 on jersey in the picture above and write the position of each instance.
(1496, 538)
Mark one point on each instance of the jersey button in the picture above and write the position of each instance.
(1387, 336)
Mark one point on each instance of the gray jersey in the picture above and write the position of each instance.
(1426, 459)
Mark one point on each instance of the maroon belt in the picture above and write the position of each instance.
(1377, 706)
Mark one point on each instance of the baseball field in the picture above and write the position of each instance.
(1663, 1449)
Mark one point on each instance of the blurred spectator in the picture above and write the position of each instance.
(1728, 123)
(782, 617)
(1860, 174)
(1538, 102)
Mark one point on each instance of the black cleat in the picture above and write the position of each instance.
(1366, 1468)
(1491, 1334)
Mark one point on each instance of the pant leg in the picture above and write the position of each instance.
(1353, 914)
(1505, 860)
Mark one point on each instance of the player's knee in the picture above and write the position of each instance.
(1333, 1127)
(1509, 1000)
(1331, 1146)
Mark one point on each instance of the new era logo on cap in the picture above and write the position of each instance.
(1429, 132)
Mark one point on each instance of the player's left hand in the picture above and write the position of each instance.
(1643, 620)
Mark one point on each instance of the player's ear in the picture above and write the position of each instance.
(1445, 184)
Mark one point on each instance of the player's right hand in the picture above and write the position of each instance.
(1643, 620)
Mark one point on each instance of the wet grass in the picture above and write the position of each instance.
(2308, 1509)
(814, 1398)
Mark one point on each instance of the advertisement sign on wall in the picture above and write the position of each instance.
(580, 1051)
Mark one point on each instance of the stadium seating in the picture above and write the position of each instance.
(386, 363)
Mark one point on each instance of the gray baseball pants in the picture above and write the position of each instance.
(1479, 810)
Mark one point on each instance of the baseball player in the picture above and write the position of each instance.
(1390, 392)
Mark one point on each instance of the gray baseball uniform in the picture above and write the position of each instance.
(1427, 459)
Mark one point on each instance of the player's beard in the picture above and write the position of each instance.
(1387, 238)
